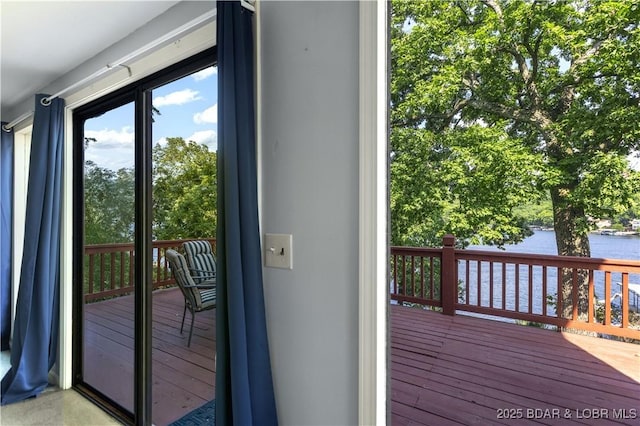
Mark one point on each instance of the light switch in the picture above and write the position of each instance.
(278, 251)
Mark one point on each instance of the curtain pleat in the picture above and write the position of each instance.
(6, 233)
(244, 386)
(35, 336)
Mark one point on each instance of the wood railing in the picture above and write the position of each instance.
(520, 286)
(109, 268)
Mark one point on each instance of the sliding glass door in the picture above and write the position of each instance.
(109, 253)
(144, 181)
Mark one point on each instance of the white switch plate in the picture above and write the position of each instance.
(278, 251)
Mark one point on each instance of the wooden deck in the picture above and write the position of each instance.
(444, 370)
(183, 377)
(460, 370)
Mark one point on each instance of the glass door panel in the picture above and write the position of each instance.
(184, 208)
(108, 272)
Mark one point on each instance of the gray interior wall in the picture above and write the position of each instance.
(309, 140)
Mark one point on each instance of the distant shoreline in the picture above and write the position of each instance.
(608, 232)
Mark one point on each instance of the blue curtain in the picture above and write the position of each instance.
(35, 335)
(244, 386)
(6, 234)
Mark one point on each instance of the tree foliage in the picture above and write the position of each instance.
(498, 102)
(108, 205)
(184, 190)
(184, 196)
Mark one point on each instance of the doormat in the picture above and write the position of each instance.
(204, 415)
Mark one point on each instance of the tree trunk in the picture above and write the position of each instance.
(569, 222)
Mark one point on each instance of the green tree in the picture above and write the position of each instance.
(536, 213)
(560, 79)
(184, 190)
(633, 212)
(108, 205)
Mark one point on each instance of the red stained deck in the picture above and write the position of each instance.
(444, 370)
(183, 377)
(460, 370)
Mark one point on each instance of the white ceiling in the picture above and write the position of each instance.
(40, 41)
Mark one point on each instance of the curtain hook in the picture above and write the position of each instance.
(45, 101)
(121, 65)
(128, 69)
(6, 129)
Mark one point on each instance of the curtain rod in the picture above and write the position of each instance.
(121, 62)
(7, 127)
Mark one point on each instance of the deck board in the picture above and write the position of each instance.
(183, 377)
(464, 369)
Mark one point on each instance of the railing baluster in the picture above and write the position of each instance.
(517, 266)
(404, 275)
(467, 294)
(101, 272)
(591, 305)
(544, 291)
(92, 259)
(122, 268)
(479, 280)
(607, 298)
(158, 251)
(422, 276)
(560, 294)
(395, 274)
(432, 293)
(574, 294)
(413, 275)
(112, 272)
(530, 288)
(625, 300)
(491, 284)
(132, 261)
(504, 285)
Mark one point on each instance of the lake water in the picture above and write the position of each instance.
(543, 242)
(602, 246)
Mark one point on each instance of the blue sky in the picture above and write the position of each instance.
(188, 109)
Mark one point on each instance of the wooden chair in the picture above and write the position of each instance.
(197, 297)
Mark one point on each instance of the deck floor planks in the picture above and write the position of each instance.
(526, 365)
(402, 414)
(545, 348)
(444, 370)
(183, 377)
(506, 366)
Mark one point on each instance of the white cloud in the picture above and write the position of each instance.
(113, 149)
(209, 115)
(206, 137)
(162, 141)
(109, 136)
(205, 73)
(180, 97)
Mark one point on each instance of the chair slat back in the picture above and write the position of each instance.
(200, 258)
